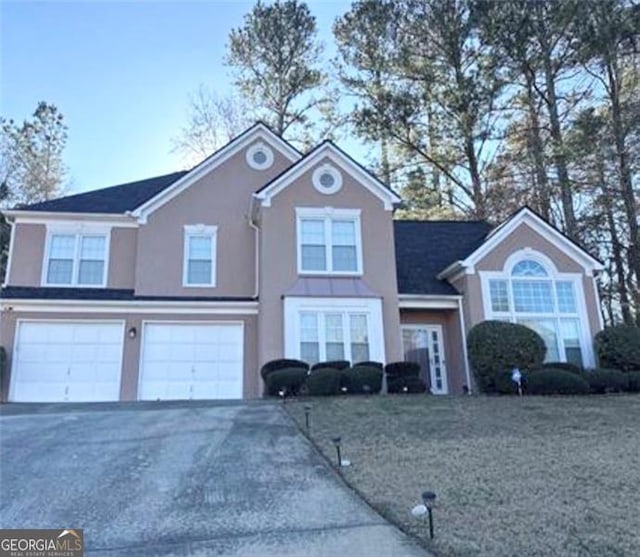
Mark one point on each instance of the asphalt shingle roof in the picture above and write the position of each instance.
(425, 248)
(113, 200)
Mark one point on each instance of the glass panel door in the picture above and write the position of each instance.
(423, 344)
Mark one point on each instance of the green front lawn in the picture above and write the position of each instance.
(557, 476)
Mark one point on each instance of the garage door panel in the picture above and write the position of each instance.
(187, 365)
(67, 361)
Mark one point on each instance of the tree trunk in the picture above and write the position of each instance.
(536, 147)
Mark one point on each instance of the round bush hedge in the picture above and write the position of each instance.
(336, 364)
(566, 366)
(289, 380)
(604, 381)
(619, 347)
(633, 382)
(498, 346)
(283, 363)
(378, 365)
(402, 369)
(325, 382)
(556, 382)
(365, 380)
(405, 384)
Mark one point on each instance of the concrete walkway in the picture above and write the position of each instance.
(182, 479)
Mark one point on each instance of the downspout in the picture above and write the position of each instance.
(463, 331)
(256, 229)
(7, 270)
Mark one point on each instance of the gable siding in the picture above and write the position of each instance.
(221, 198)
(278, 257)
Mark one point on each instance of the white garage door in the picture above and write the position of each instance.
(57, 361)
(191, 361)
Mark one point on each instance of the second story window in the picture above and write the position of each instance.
(76, 259)
(200, 256)
(329, 241)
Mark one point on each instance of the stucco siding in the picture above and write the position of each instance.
(222, 198)
(27, 254)
(278, 256)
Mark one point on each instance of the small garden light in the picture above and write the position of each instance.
(336, 442)
(429, 500)
(307, 411)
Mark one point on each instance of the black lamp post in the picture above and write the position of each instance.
(336, 442)
(429, 500)
(307, 411)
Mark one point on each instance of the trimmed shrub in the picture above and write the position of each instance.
(284, 363)
(619, 348)
(337, 364)
(556, 382)
(378, 365)
(405, 384)
(497, 346)
(604, 381)
(566, 366)
(402, 369)
(633, 382)
(361, 379)
(290, 380)
(325, 382)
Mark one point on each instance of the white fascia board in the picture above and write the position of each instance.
(450, 270)
(119, 306)
(388, 197)
(544, 229)
(259, 132)
(414, 301)
(69, 219)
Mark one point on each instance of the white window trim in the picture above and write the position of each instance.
(371, 307)
(586, 343)
(199, 230)
(335, 174)
(268, 153)
(78, 230)
(327, 214)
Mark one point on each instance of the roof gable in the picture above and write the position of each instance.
(329, 150)
(539, 225)
(257, 132)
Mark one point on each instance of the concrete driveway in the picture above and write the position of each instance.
(182, 479)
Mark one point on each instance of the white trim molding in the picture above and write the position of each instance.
(332, 173)
(328, 151)
(428, 301)
(257, 132)
(371, 307)
(256, 148)
(525, 216)
(110, 220)
(199, 230)
(180, 307)
(327, 215)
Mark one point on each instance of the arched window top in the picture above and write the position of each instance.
(528, 268)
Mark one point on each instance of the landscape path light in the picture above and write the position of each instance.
(307, 411)
(336, 442)
(429, 500)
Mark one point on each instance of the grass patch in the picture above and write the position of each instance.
(532, 476)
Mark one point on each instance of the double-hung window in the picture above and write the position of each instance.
(329, 241)
(199, 267)
(76, 259)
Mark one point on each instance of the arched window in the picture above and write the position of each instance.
(534, 295)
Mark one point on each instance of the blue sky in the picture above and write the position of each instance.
(121, 73)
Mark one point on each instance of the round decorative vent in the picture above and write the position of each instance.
(327, 179)
(259, 156)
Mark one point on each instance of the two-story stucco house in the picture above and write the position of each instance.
(182, 286)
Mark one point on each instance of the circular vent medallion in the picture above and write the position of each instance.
(327, 179)
(259, 156)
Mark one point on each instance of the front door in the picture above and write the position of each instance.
(423, 344)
